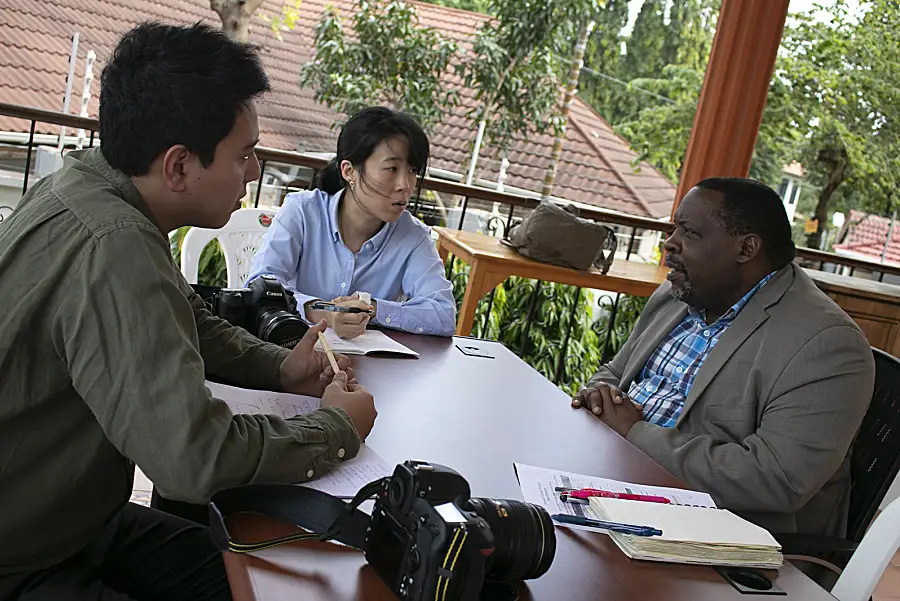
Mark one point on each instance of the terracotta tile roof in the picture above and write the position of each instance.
(864, 235)
(35, 41)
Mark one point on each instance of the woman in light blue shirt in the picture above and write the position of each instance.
(353, 234)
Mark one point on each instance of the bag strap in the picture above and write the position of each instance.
(322, 516)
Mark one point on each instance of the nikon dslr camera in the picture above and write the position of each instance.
(430, 541)
(264, 308)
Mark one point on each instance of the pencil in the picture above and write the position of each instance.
(329, 352)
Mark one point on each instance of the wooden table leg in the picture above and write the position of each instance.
(443, 251)
(481, 281)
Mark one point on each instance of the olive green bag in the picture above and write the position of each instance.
(557, 235)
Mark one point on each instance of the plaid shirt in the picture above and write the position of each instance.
(663, 385)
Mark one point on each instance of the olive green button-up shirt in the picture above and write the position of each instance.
(104, 349)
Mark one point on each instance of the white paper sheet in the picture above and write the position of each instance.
(372, 341)
(347, 478)
(538, 486)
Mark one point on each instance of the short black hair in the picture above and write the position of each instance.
(363, 132)
(751, 207)
(166, 85)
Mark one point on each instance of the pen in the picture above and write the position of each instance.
(612, 526)
(586, 493)
(338, 308)
(329, 352)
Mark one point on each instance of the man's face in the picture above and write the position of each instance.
(702, 255)
(216, 191)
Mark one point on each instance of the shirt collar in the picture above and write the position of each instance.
(93, 157)
(736, 307)
(377, 241)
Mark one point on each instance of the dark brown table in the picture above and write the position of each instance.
(478, 416)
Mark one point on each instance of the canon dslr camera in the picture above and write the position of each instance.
(264, 308)
(429, 540)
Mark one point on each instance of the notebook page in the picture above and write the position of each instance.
(369, 342)
(256, 402)
(683, 523)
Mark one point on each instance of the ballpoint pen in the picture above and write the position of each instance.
(583, 494)
(611, 526)
(338, 308)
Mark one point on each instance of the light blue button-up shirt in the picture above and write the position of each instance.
(399, 266)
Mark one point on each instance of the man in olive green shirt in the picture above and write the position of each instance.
(104, 347)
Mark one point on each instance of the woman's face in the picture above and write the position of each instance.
(386, 182)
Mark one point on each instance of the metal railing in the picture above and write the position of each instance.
(628, 225)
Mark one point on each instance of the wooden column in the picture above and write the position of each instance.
(734, 91)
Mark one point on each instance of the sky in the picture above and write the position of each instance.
(796, 6)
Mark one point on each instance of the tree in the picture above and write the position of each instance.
(603, 61)
(646, 47)
(389, 58)
(513, 68)
(843, 74)
(478, 6)
(236, 16)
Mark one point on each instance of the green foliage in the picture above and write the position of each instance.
(627, 313)
(542, 343)
(514, 64)
(478, 6)
(211, 270)
(388, 58)
(842, 75)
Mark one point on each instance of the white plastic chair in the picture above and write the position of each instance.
(871, 558)
(240, 239)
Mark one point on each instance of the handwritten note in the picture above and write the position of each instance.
(343, 481)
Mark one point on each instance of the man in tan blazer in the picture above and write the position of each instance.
(742, 378)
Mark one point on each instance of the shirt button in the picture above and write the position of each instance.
(648, 388)
(679, 369)
(421, 330)
(388, 320)
(341, 453)
(343, 285)
(309, 474)
(706, 333)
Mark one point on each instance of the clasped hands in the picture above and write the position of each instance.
(608, 403)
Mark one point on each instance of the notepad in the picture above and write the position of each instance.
(693, 535)
(346, 478)
(372, 342)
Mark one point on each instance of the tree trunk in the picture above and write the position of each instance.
(482, 124)
(835, 178)
(236, 16)
(569, 95)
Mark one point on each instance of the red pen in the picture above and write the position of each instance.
(586, 493)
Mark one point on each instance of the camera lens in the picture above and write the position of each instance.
(524, 539)
(280, 327)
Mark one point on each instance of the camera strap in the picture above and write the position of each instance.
(321, 516)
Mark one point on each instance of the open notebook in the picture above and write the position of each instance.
(696, 535)
(370, 343)
(343, 481)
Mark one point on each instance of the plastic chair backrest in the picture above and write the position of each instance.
(871, 558)
(240, 239)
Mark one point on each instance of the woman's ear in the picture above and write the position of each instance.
(348, 172)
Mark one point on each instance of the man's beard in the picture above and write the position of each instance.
(684, 292)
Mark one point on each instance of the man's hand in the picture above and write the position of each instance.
(620, 415)
(350, 325)
(355, 400)
(593, 394)
(306, 370)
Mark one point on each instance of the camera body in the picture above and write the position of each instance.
(429, 540)
(264, 308)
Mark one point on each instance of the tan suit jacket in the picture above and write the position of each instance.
(769, 420)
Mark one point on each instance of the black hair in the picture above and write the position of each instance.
(362, 133)
(749, 206)
(166, 85)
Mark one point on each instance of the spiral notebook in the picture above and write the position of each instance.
(693, 535)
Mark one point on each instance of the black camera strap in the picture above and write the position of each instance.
(320, 515)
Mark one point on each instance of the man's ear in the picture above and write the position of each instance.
(750, 245)
(176, 166)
